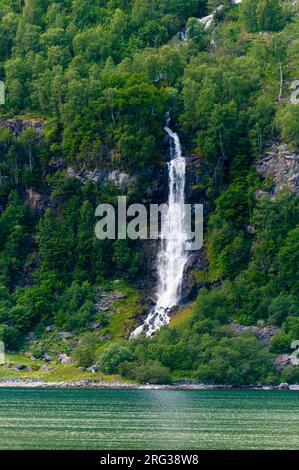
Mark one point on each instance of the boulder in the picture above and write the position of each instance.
(20, 367)
(283, 386)
(23, 368)
(65, 359)
(117, 295)
(30, 336)
(47, 368)
(50, 328)
(93, 369)
(48, 358)
(65, 335)
(105, 338)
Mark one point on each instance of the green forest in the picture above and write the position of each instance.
(88, 85)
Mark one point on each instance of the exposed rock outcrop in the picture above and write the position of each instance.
(282, 164)
(35, 199)
(192, 281)
(264, 334)
(18, 125)
(282, 360)
(117, 177)
(295, 92)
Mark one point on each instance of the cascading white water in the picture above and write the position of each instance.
(172, 256)
(206, 21)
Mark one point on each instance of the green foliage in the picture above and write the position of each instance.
(263, 15)
(113, 356)
(288, 123)
(11, 337)
(76, 307)
(85, 353)
(236, 361)
(152, 372)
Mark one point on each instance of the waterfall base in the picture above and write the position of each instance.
(157, 318)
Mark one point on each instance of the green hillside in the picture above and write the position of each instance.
(88, 84)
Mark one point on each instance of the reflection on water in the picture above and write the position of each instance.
(148, 419)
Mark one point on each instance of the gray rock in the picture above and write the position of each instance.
(35, 200)
(282, 360)
(65, 359)
(283, 386)
(95, 326)
(48, 358)
(294, 387)
(30, 336)
(264, 334)
(282, 164)
(47, 368)
(50, 328)
(119, 178)
(105, 338)
(117, 295)
(20, 367)
(93, 369)
(17, 126)
(103, 305)
(294, 99)
(196, 263)
(71, 173)
(65, 335)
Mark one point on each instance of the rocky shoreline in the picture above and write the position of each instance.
(22, 383)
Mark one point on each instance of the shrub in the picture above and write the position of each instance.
(10, 337)
(84, 354)
(113, 357)
(152, 372)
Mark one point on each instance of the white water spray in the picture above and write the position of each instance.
(173, 255)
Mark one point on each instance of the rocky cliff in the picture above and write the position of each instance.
(282, 164)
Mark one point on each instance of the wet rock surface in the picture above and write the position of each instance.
(197, 262)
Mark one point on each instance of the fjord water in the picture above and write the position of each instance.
(148, 419)
(173, 255)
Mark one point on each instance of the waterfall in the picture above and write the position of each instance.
(172, 256)
(206, 21)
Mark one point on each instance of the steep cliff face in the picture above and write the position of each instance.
(282, 164)
(153, 181)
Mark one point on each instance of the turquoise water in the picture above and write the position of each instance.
(148, 419)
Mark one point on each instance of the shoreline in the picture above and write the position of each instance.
(88, 384)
